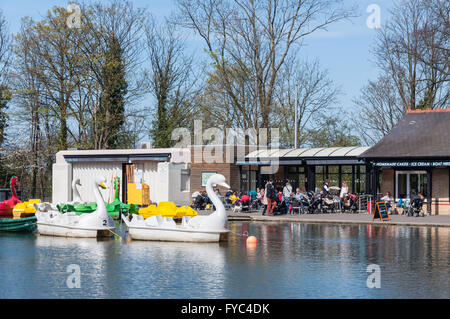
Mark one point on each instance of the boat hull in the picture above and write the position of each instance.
(27, 224)
(158, 234)
(68, 231)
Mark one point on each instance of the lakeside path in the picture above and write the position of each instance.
(338, 218)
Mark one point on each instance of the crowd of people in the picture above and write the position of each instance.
(270, 200)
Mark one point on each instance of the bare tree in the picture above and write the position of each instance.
(255, 38)
(412, 54)
(405, 52)
(379, 109)
(5, 51)
(172, 81)
(316, 94)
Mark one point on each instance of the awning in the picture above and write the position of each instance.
(124, 158)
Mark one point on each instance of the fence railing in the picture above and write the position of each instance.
(363, 202)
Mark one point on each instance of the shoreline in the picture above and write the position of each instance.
(339, 218)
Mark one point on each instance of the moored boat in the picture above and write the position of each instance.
(96, 224)
(27, 224)
(6, 207)
(211, 228)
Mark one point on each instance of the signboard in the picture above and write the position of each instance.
(206, 176)
(413, 164)
(381, 211)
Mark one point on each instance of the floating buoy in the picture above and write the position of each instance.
(251, 240)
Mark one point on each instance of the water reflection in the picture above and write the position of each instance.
(290, 260)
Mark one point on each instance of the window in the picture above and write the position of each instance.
(296, 176)
(360, 178)
(320, 176)
(333, 175)
(410, 183)
(346, 171)
(184, 185)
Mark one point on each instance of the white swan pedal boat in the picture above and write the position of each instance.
(211, 228)
(96, 224)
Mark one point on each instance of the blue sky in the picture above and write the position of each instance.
(344, 50)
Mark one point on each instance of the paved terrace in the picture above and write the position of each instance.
(338, 218)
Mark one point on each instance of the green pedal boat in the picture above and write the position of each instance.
(27, 224)
(113, 208)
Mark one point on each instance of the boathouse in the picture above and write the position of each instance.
(163, 172)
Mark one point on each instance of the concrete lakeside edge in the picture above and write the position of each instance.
(338, 218)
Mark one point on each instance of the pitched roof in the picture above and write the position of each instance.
(419, 134)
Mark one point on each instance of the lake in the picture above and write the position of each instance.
(291, 260)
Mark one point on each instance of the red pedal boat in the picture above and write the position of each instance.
(6, 207)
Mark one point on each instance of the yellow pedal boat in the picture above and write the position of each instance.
(25, 209)
(167, 209)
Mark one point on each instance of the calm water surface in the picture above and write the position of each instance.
(291, 260)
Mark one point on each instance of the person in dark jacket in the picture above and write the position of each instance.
(326, 188)
(271, 195)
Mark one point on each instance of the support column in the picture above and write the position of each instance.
(375, 183)
(340, 176)
(429, 190)
(353, 179)
(259, 178)
(310, 178)
(368, 189)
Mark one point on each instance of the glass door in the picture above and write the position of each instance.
(408, 184)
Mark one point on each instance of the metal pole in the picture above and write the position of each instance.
(295, 116)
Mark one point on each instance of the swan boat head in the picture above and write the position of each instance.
(218, 179)
(77, 182)
(100, 181)
(14, 184)
(100, 217)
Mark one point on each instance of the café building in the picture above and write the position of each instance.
(413, 158)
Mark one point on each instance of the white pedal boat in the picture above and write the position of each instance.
(96, 224)
(211, 228)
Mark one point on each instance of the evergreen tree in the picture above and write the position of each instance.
(5, 96)
(111, 115)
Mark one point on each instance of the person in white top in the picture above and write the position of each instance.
(344, 190)
(343, 195)
(287, 190)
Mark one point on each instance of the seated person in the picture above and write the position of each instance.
(390, 205)
(298, 194)
(233, 198)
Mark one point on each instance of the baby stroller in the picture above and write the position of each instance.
(256, 204)
(415, 208)
(228, 203)
(327, 205)
(315, 203)
(280, 209)
(350, 204)
(245, 204)
(199, 202)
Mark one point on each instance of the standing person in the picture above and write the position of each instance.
(343, 195)
(287, 189)
(271, 195)
(264, 198)
(326, 188)
(259, 193)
